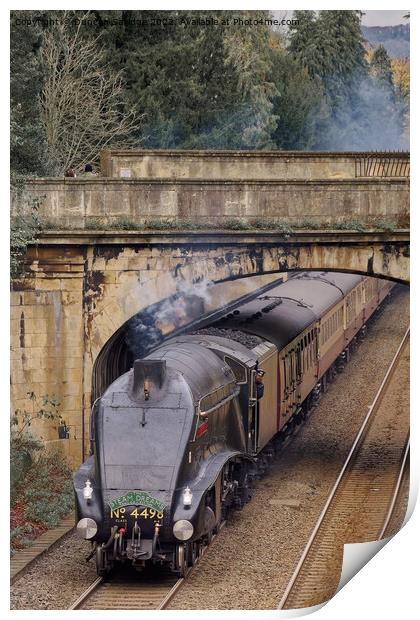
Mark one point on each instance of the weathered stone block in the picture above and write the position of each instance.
(71, 284)
(72, 362)
(70, 389)
(47, 284)
(73, 375)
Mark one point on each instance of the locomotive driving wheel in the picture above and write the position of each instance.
(194, 553)
(102, 567)
(181, 557)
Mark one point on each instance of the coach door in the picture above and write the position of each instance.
(267, 405)
(288, 364)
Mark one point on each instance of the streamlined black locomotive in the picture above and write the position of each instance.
(179, 439)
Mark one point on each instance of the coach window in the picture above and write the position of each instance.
(308, 354)
(300, 359)
(313, 348)
(289, 370)
(285, 376)
(293, 367)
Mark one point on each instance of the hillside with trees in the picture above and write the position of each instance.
(82, 81)
(395, 39)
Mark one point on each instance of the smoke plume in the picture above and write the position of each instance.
(370, 118)
(149, 327)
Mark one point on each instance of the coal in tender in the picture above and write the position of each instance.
(248, 340)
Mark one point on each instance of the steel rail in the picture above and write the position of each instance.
(171, 593)
(81, 599)
(373, 407)
(397, 490)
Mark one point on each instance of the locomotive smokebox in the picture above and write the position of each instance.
(146, 374)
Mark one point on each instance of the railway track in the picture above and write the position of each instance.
(152, 589)
(362, 503)
(389, 528)
(132, 592)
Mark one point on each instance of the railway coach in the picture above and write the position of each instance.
(179, 440)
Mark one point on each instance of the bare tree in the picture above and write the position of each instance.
(82, 97)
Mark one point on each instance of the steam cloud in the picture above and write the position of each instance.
(372, 119)
(150, 326)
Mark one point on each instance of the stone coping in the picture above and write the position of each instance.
(135, 153)
(109, 236)
(100, 180)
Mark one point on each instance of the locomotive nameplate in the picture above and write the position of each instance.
(137, 498)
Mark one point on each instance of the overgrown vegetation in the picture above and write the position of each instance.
(351, 224)
(233, 224)
(40, 481)
(24, 227)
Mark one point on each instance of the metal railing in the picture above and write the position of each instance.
(383, 165)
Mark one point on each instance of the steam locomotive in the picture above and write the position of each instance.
(178, 441)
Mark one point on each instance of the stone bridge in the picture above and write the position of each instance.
(82, 286)
(162, 189)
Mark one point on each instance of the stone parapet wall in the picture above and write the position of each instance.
(77, 202)
(240, 165)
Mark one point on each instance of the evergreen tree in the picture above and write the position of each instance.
(304, 44)
(28, 153)
(298, 104)
(199, 86)
(380, 67)
(330, 47)
(244, 116)
(336, 56)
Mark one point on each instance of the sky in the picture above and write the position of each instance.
(384, 18)
(372, 18)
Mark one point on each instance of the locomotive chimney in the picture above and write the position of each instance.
(148, 373)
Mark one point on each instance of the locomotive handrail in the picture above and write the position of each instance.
(204, 414)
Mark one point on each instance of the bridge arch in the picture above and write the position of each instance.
(82, 287)
(122, 279)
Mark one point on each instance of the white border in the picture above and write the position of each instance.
(387, 586)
